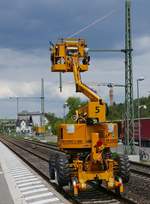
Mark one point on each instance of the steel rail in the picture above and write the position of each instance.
(140, 168)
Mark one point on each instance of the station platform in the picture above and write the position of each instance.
(135, 158)
(5, 196)
(19, 184)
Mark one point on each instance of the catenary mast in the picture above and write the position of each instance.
(129, 106)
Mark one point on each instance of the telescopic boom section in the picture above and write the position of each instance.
(81, 87)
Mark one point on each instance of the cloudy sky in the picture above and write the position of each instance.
(27, 26)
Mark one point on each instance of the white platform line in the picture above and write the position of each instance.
(26, 180)
(22, 175)
(17, 162)
(20, 172)
(17, 168)
(44, 201)
(39, 196)
(25, 177)
(31, 187)
(35, 191)
(29, 183)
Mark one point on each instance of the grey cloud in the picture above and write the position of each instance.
(31, 24)
(26, 26)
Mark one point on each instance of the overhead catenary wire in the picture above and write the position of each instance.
(93, 23)
(84, 29)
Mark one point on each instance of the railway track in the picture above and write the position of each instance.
(42, 144)
(36, 155)
(141, 169)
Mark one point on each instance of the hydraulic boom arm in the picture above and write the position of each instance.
(81, 87)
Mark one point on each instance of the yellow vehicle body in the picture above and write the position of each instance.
(40, 129)
(93, 110)
(81, 137)
(74, 136)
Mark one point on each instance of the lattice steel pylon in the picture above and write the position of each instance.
(129, 106)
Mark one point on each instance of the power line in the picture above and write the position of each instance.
(93, 23)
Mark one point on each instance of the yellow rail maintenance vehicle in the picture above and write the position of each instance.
(85, 147)
(39, 130)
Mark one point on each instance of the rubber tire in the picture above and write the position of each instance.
(124, 168)
(99, 183)
(117, 191)
(51, 168)
(63, 170)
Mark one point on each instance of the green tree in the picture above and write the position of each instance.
(144, 101)
(73, 103)
(116, 112)
(54, 122)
